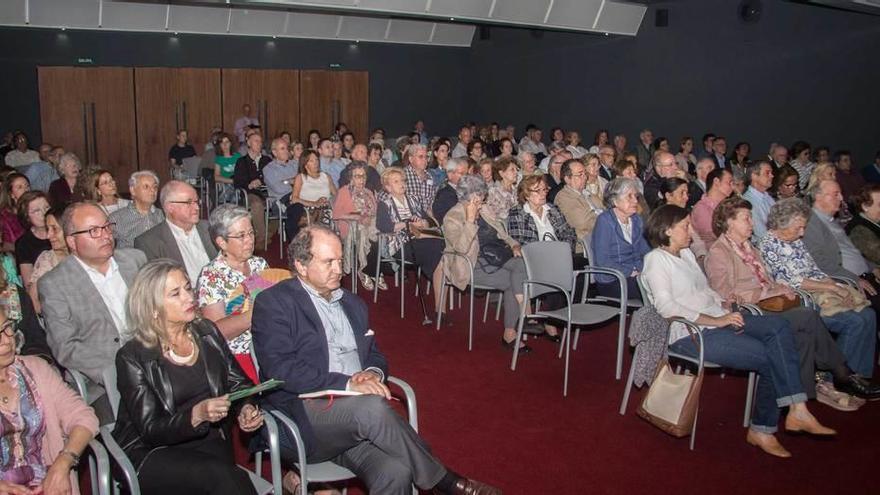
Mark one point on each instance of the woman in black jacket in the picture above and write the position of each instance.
(174, 378)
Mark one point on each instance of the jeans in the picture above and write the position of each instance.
(856, 338)
(766, 345)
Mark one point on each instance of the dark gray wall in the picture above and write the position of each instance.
(401, 76)
(801, 72)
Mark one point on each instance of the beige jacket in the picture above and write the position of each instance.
(577, 212)
(461, 238)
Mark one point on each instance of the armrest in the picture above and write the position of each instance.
(469, 263)
(621, 279)
(694, 330)
(102, 462)
(411, 406)
(121, 459)
(846, 280)
(751, 308)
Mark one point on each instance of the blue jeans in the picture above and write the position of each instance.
(856, 338)
(766, 345)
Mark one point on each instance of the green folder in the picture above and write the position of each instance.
(247, 392)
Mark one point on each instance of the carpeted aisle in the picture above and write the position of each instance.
(515, 430)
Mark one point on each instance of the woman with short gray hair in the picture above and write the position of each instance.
(231, 228)
(475, 233)
(618, 239)
(63, 191)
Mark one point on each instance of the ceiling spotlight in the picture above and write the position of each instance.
(274, 37)
(606, 34)
(452, 18)
(175, 33)
(63, 28)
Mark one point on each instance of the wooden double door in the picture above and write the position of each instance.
(329, 97)
(273, 96)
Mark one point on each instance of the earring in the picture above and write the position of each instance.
(155, 315)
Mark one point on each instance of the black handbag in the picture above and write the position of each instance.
(494, 252)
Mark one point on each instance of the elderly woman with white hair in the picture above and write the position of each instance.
(63, 191)
(496, 257)
(618, 240)
(233, 232)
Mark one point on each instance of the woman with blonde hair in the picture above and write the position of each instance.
(174, 381)
(100, 187)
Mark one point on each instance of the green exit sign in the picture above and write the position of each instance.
(335, 66)
(85, 61)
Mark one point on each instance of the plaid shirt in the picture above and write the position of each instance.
(521, 226)
(130, 224)
(423, 190)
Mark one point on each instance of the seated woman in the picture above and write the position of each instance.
(32, 208)
(864, 229)
(618, 239)
(737, 272)
(233, 233)
(502, 191)
(45, 425)
(677, 287)
(19, 310)
(674, 191)
(312, 188)
(64, 191)
(629, 170)
(178, 438)
(789, 262)
(785, 183)
(400, 213)
(472, 231)
(224, 167)
(484, 169)
(100, 187)
(356, 202)
(14, 186)
(48, 259)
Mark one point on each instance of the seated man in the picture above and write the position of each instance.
(316, 336)
(578, 205)
(760, 175)
(182, 236)
(42, 173)
(141, 214)
(719, 186)
(83, 298)
(279, 173)
(446, 197)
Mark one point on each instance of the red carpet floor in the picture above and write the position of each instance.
(515, 430)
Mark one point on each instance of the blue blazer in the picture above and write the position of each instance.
(291, 345)
(611, 250)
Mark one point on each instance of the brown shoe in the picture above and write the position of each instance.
(795, 423)
(465, 486)
(768, 443)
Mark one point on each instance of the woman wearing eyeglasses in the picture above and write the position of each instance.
(44, 425)
(355, 202)
(231, 228)
(785, 183)
(32, 208)
(101, 188)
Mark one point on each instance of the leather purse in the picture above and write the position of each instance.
(672, 400)
(777, 304)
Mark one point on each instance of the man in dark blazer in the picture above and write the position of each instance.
(316, 337)
(83, 298)
(182, 236)
(446, 197)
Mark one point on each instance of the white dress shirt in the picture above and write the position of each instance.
(191, 248)
(542, 221)
(113, 290)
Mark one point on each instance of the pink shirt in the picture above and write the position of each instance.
(701, 218)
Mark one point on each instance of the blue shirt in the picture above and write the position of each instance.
(341, 346)
(761, 203)
(274, 175)
(40, 175)
(333, 168)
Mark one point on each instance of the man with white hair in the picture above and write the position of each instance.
(419, 182)
(531, 142)
(645, 149)
(446, 198)
(141, 214)
(464, 139)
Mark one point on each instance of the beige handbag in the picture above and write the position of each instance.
(672, 401)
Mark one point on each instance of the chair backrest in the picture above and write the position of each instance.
(548, 261)
(109, 377)
(644, 290)
(587, 243)
(191, 166)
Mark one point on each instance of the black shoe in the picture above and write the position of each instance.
(445, 319)
(858, 386)
(552, 338)
(523, 348)
(531, 327)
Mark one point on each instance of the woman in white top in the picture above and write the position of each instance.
(101, 188)
(677, 287)
(312, 188)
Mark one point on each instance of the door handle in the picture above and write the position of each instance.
(94, 134)
(85, 131)
(177, 118)
(185, 121)
(265, 122)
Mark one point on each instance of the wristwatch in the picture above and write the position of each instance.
(74, 457)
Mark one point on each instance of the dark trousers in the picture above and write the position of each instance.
(613, 289)
(295, 213)
(198, 467)
(365, 435)
(815, 346)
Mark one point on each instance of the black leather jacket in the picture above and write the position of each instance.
(147, 417)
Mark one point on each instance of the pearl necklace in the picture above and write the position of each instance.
(178, 359)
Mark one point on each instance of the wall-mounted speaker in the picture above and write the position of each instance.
(750, 11)
(661, 18)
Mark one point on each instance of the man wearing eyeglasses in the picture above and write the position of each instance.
(182, 236)
(83, 298)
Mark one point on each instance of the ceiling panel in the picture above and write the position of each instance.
(409, 6)
(621, 18)
(453, 34)
(363, 28)
(574, 13)
(312, 25)
(70, 13)
(530, 11)
(133, 16)
(12, 12)
(257, 22)
(403, 31)
(198, 19)
(477, 9)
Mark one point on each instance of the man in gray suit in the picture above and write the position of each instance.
(83, 298)
(182, 236)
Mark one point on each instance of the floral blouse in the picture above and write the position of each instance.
(499, 201)
(788, 262)
(46, 261)
(219, 282)
(22, 430)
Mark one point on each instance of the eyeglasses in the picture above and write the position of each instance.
(188, 202)
(249, 233)
(539, 190)
(8, 329)
(358, 176)
(95, 232)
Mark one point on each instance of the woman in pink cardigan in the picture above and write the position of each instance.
(44, 425)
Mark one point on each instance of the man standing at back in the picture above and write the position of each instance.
(316, 336)
(244, 123)
(83, 298)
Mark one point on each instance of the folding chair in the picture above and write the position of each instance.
(471, 288)
(99, 462)
(400, 265)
